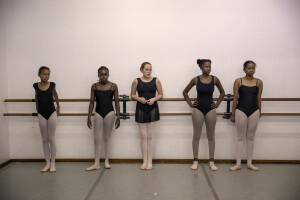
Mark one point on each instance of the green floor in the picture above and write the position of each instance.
(166, 181)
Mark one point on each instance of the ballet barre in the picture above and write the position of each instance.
(133, 114)
(164, 99)
(125, 98)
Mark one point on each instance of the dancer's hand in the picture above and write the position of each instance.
(213, 105)
(232, 118)
(57, 111)
(259, 114)
(117, 123)
(151, 101)
(89, 123)
(142, 100)
(195, 104)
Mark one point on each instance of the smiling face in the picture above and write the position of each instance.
(147, 70)
(45, 75)
(103, 76)
(250, 69)
(206, 68)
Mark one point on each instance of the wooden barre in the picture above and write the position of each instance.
(133, 114)
(87, 100)
(164, 99)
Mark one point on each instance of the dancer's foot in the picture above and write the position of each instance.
(149, 166)
(93, 167)
(212, 166)
(236, 167)
(194, 165)
(107, 165)
(52, 168)
(46, 168)
(250, 166)
(143, 166)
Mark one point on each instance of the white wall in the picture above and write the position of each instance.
(4, 135)
(75, 37)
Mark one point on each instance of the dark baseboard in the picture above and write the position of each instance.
(5, 163)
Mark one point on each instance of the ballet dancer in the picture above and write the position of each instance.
(147, 112)
(246, 114)
(204, 109)
(103, 92)
(47, 115)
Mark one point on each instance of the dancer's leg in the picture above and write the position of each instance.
(198, 119)
(109, 120)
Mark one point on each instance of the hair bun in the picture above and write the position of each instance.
(201, 61)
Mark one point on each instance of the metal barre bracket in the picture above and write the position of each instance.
(228, 98)
(124, 98)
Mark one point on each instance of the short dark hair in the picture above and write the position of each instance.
(248, 62)
(201, 61)
(143, 65)
(42, 68)
(103, 68)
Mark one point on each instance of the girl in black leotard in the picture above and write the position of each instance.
(246, 114)
(47, 115)
(204, 109)
(103, 92)
(147, 112)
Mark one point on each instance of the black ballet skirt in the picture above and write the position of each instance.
(145, 113)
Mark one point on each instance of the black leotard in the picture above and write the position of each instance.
(145, 113)
(247, 101)
(205, 95)
(45, 100)
(104, 101)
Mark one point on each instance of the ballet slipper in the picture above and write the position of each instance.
(107, 165)
(93, 167)
(46, 168)
(194, 165)
(52, 169)
(143, 166)
(212, 166)
(250, 166)
(149, 166)
(236, 167)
